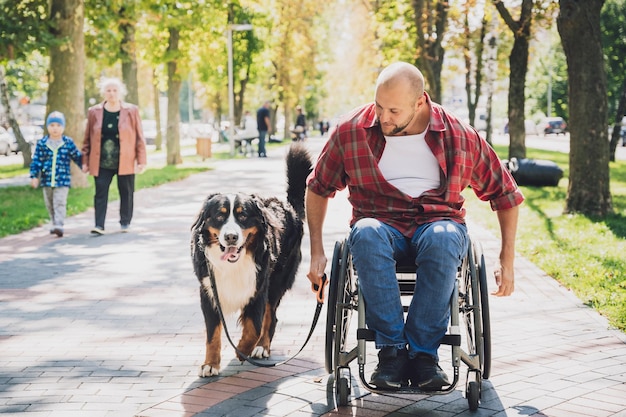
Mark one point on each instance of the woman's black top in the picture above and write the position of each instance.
(110, 144)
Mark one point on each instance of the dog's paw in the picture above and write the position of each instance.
(260, 352)
(207, 371)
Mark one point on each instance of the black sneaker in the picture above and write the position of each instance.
(97, 231)
(426, 374)
(391, 370)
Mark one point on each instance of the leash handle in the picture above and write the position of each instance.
(319, 289)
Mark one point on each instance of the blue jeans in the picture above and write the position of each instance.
(262, 134)
(437, 249)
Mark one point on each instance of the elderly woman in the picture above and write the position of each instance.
(113, 145)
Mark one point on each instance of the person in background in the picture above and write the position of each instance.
(263, 126)
(113, 146)
(300, 127)
(248, 122)
(406, 162)
(50, 169)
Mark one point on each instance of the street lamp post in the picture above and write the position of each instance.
(231, 93)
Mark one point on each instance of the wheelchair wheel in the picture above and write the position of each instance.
(484, 309)
(339, 310)
(473, 395)
(473, 297)
(342, 387)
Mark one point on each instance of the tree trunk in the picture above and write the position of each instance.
(518, 63)
(588, 193)
(158, 141)
(173, 101)
(128, 54)
(66, 88)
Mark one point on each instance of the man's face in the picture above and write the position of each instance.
(395, 108)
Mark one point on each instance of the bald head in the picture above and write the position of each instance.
(402, 74)
(400, 100)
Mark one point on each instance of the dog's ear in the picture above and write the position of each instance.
(268, 217)
(270, 232)
(203, 214)
(259, 206)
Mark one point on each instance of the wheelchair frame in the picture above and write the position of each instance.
(469, 301)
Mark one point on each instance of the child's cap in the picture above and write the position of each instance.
(56, 117)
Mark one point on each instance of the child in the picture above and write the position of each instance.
(51, 163)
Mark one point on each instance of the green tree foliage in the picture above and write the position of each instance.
(292, 51)
(110, 37)
(174, 27)
(23, 31)
(394, 30)
(431, 19)
(613, 25)
(24, 28)
(26, 76)
(547, 80)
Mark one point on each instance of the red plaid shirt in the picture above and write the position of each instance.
(350, 159)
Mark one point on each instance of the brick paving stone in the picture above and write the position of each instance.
(112, 327)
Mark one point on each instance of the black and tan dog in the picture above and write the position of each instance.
(251, 247)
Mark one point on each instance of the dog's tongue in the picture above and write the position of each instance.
(230, 253)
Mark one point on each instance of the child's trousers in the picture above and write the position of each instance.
(56, 203)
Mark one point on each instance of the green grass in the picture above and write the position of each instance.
(10, 171)
(585, 255)
(22, 208)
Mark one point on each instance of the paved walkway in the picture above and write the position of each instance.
(111, 326)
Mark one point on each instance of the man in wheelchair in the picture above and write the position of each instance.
(406, 161)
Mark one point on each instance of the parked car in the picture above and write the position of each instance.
(6, 140)
(554, 125)
(529, 127)
(31, 133)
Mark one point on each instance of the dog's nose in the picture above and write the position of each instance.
(231, 238)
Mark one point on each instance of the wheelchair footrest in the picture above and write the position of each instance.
(451, 340)
(453, 337)
(369, 336)
(365, 334)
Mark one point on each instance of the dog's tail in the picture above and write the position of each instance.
(299, 166)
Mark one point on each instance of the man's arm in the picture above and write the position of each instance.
(316, 207)
(269, 126)
(504, 269)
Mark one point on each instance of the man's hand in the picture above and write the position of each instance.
(505, 279)
(85, 168)
(316, 270)
(34, 182)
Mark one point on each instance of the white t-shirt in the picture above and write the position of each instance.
(409, 165)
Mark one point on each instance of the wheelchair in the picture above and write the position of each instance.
(469, 322)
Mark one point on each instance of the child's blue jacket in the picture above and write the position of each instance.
(54, 164)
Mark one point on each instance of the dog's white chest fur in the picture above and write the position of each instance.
(235, 282)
